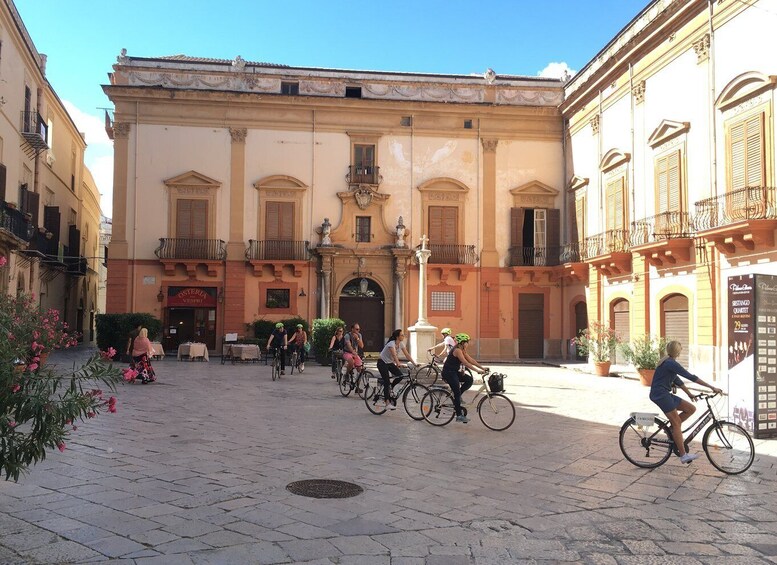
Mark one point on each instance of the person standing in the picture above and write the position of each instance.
(677, 410)
(297, 343)
(389, 363)
(280, 338)
(458, 381)
(336, 346)
(142, 351)
(131, 342)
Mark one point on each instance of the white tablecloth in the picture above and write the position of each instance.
(159, 351)
(245, 351)
(193, 350)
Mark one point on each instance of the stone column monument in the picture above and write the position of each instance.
(422, 334)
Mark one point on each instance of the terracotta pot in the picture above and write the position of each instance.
(602, 368)
(646, 376)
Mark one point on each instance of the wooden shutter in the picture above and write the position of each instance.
(51, 221)
(616, 218)
(580, 212)
(747, 152)
(662, 185)
(33, 205)
(2, 182)
(200, 219)
(668, 183)
(279, 221)
(450, 225)
(74, 241)
(191, 219)
(553, 235)
(183, 218)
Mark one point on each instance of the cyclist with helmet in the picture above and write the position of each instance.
(451, 375)
(297, 343)
(280, 337)
(447, 341)
(336, 347)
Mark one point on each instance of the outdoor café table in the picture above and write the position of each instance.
(159, 351)
(245, 352)
(193, 350)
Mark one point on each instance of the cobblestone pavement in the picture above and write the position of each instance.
(194, 468)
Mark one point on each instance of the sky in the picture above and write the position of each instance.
(522, 37)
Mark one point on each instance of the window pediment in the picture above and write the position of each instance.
(743, 87)
(666, 130)
(613, 158)
(192, 179)
(280, 182)
(443, 184)
(534, 194)
(577, 182)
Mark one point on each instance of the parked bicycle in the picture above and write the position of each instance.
(430, 373)
(356, 379)
(494, 409)
(646, 440)
(406, 388)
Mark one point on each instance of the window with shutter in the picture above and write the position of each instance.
(2, 182)
(616, 211)
(443, 225)
(363, 229)
(191, 219)
(746, 150)
(279, 221)
(668, 187)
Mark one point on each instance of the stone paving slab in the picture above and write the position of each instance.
(193, 470)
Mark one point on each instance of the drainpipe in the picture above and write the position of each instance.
(564, 228)
(135, 210)
(312, 295)
(479, 279)
(717, 363)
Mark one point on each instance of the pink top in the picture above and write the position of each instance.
(142, 345)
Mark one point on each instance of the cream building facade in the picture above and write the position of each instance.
(49, 216)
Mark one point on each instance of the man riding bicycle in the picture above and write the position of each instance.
(280, 338)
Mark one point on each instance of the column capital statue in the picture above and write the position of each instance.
(326, 230)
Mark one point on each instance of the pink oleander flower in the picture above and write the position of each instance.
(112, 401)
(32, 366)
(129, 374)
(75, 428)
(90, 414)
(112, 408)
(11, 424)
(16, 388)
(108, 355)
(96, 392)
(3, 261)
(61, 446)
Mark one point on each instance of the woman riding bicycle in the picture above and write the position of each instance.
(336, 346)
(451, 375)
(676, 409)
(297, 342)
(389, 364)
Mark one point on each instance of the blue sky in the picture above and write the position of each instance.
(83, 37)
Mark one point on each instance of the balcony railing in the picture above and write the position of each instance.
(15, 222)
(743, 204)
(76, 266)
(534, 256)
(42, 246)
(571, 253)
(363, 175)
(34, 130)
(667, 225)
(612, 241)
(453, 254)
(268, 250)
(183, 248)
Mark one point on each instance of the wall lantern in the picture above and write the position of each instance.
(363, 285)
(161, 296)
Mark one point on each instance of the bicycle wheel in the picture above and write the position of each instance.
(496, 412)
(437, 407)
(293, 362)
(276, 369)
(346, 385)
(411, 399)
(375, 401)
(362, 380)
(728, 447)
(645, 447)
(427, 375)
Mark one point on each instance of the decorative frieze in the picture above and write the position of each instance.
(121, 130)
(489, 145)
(702, 48)
(638, 92)
(238, 134)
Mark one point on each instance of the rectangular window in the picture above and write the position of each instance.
(290, 88)
(363, 158)
(191, 219)
(278, 298)
(668, 183)
(443, 301)
(353, 91)
(363, 229)
(580, 211)
(616, 200)
(72, 218)
(443, 225)
(746, 150)
(279, 221)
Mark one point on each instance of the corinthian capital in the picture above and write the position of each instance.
(489, 145)
(121, 130)
(238, 134)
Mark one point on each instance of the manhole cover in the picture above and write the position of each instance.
(324, 488)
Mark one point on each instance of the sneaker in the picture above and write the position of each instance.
(283, 372)
(688, 457)
(391, 406)
(334, 376)
(463, 419)
(301, 367)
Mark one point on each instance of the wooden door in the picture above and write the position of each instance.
(531, 326)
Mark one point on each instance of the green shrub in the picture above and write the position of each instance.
(113, 329)
(323, 330)
(263, 328)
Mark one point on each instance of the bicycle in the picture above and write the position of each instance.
(276, 364)
(429, 374)
(296, 360)
(356, 379)
(495, 410)
(411, 392)
(727, 445)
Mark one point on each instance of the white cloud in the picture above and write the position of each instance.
(99, 152)
(556, 70)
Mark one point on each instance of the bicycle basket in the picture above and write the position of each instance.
(496, 382)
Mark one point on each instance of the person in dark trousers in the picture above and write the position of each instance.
(451, 375)
(336, 347)
(131, 343)
(677, 410)
(297, 343)
(389, 364)
(280, 338)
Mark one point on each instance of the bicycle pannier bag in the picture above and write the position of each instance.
(496, 382)
(307, 347)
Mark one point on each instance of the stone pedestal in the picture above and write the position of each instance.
(422, 334)
(421, 339)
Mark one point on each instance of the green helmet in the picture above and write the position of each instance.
(300, 326)
(461, 338)
(279, 325)
(446, 331)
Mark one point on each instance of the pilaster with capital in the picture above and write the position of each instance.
(236, 245)
(121, 130)
(238, 134)
(489, 257)
(401, 258)
(702, 48)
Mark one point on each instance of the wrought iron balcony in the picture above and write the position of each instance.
(15, 222)
(667, 225)
(35, 131)
(571, 253)
(452, 254)
(42, 246)
(269, 250)
(184, 248)
(364, 175)
(76, 266)
(743, 204)
(534, 256)
(606, 243)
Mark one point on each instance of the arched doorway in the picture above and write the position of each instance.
(675, 323)
(581, 324)
(619, 321)
(362, 301)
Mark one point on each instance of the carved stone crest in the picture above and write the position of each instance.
(363, 195)
(238, 64)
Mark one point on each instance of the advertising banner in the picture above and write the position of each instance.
(191, 297)
(765, 356)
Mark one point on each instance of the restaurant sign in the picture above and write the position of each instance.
(191, 297)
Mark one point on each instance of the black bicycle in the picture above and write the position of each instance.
(276, 363)
(406, 388)
(646, 440)
(355, 379)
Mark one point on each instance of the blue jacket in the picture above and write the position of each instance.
(667, 374)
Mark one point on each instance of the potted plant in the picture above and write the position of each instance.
(598, 343)
(645, 352)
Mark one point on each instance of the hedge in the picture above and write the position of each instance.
(323, 330)
(263, 328)
(113, 329)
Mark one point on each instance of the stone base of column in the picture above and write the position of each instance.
(422, 337)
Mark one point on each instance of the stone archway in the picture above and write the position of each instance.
(362, 300)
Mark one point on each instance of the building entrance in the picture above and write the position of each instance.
(362, 302)
(190, 316)
(531, 326)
